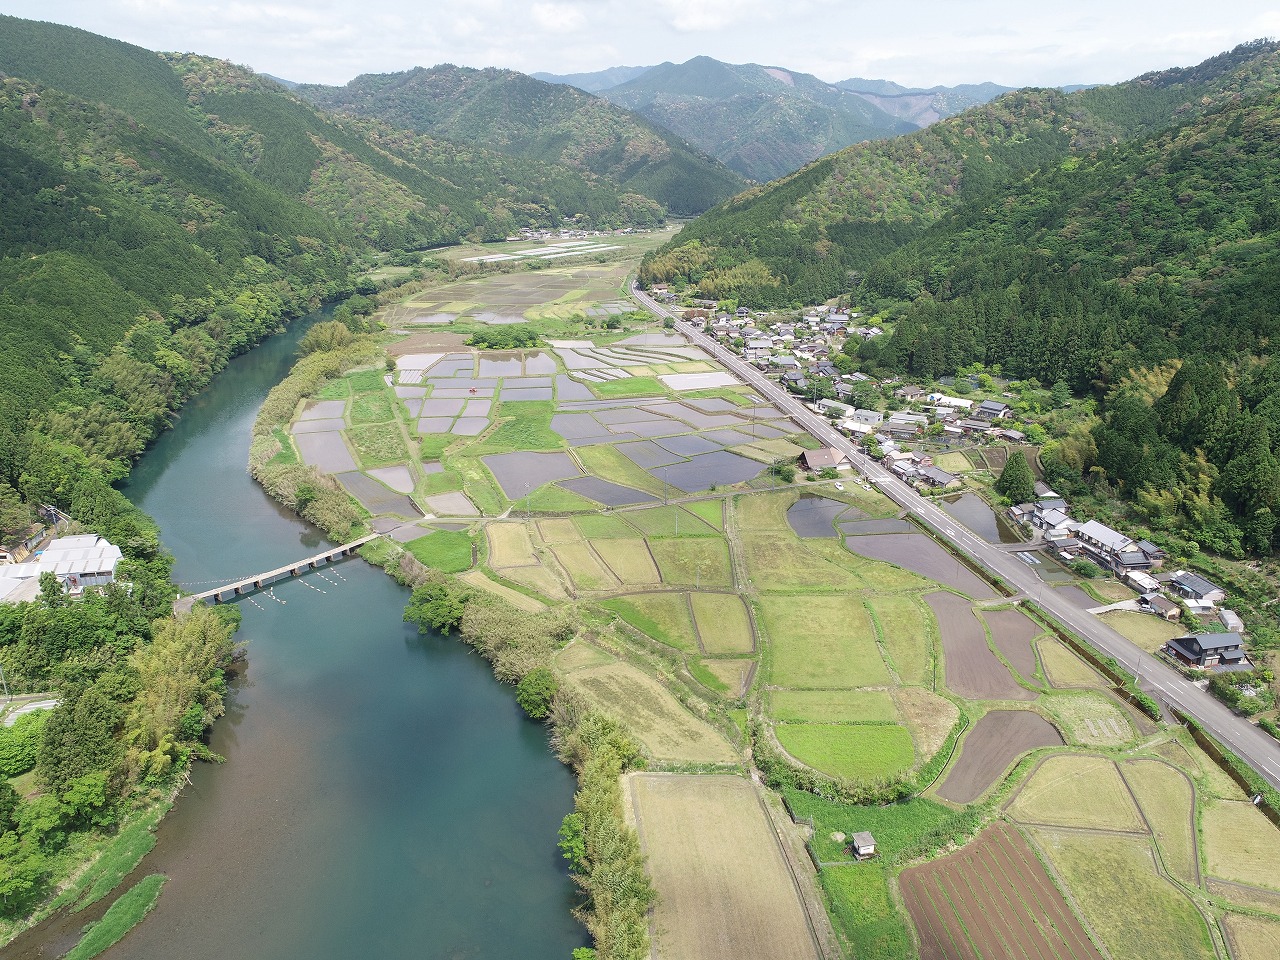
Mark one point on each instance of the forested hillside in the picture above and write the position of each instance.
(807, 237)
(763, 122)
(1122, 241)
(522, 117)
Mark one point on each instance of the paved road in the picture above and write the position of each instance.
(1260, 750)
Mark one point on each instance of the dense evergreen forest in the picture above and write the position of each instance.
(1123, 241)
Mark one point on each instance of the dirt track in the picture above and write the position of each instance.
(995, 741)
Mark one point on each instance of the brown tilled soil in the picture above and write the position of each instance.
(428, 341)
(995, 741)
(992, 900)
(1013, 632)
(972, 670)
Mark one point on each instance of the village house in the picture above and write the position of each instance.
(908, 393)
(1194, 587)
(937, 478)
(955, 403)
(836, 408)
(1161, 606)
(1209, 650)
(825, 458)
(992, 410)
(757, 349)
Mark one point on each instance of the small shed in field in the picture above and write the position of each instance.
(864, 845)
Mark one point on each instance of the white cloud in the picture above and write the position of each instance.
(558, 16)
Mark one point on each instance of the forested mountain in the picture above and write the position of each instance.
(763, 122)
(515, 114)
(595, 81)
(193, 191)
(1124, 241)
(919, 105)
(807, 236)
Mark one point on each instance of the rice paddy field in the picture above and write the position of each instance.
(612, 471)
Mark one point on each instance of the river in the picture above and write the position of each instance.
(383, 795)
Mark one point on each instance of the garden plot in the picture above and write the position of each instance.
(904, 631)
(995, 742)
(700, 562)
(735, 673)
(1013, 632)
(725, 890)
(520, 472)
(1252, 938)
(1090, 719)
(584, 567)
(972, 670)
(923, 555)
(664, 728)
(833, 706)
(992, 899)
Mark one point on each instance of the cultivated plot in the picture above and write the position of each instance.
(972, 670)
(993, 899)
(988, 750)
(725, 891)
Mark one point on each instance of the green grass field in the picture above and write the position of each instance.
(822, 642)
(833, 706)
(695, 561)
(777, 561)
(550, 498)
(662, 616)
(583, 567)
(600, 526)
(904, 630)
(851, 751)
(371, 408)
(447, 550)
(630, 387)
(1076, 791)
(1147, 631)
(121, 917)
(711, 511)
(378, 445)
(897, 827)
(527, 427)
(669, 521)
(1164, 795)
(629, 560)
(1135, 911)
(863, 913)
(722, 621)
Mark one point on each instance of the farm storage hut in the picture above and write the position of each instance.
(864, 845)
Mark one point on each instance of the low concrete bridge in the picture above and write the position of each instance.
(239, 588)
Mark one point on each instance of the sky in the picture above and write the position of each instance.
(913, 42)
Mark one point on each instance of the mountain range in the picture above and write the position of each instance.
(519, 116)
(767, 121)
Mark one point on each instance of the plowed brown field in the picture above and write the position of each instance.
(992, 901)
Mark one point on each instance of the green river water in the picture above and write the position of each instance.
(383, 795)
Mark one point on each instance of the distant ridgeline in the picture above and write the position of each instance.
(528, 119)
(1066, 237)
